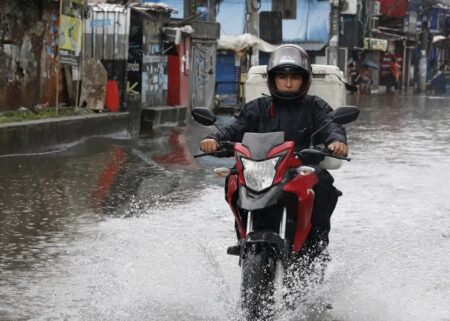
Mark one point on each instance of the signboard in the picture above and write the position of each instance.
(412, 22)
(70, 34)
(375, 44)
(437, 19)
(393, 8)
(376, 8)
(349, 7)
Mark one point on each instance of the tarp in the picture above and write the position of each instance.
(238, 43)
(153, 6)
(438, 38)
(441, 41)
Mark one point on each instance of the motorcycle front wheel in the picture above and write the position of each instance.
(258, 282)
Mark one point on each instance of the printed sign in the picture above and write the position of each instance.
(70, 34)
(375, 44)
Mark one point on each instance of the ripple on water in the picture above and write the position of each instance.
(155, 239)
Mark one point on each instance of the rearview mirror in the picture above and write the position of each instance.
(345, 115)
(342, 116)
(203, 116)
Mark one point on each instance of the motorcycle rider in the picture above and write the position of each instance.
(298, 115)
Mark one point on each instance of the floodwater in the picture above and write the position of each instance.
(113, 229)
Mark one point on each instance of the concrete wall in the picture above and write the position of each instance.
(50, 134)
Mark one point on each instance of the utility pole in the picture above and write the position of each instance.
(424, 47)
(188, 8)
(252, 26)
(211, 5)
(333, 45)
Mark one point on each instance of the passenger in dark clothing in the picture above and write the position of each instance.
(298, 115)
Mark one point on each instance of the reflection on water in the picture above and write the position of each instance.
(58, 247)
(136, 230)
(45, 198)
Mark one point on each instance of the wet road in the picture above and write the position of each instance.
(113, 229)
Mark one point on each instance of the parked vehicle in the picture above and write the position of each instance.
(270, 192)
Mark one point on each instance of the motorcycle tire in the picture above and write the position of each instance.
(258, 283)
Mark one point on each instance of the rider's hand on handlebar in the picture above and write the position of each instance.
(209, 145)
(338, 149)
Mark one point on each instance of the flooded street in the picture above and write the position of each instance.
(113, 229)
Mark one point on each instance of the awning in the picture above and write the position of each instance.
(238, 43)
(173, 34)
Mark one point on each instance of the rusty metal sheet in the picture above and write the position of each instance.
(28, 42)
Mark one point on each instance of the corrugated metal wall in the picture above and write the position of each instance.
(203, 74)
(106, 38)
(154, 64)
(106, 32)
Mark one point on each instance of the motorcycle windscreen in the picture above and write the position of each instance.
(260, 144)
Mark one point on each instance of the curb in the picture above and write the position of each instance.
(47, 135)
(154, 117)
(37, 136)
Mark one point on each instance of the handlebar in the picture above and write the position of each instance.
(340, 157)
(310, 155)
(226, 149)
(328, 153)
(316, 154)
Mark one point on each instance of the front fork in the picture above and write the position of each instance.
(283, 224)
(277, 241)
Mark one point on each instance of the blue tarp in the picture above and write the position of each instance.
(311, 24)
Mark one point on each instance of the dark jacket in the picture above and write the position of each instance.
(297, 119)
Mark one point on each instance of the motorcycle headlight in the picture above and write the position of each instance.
(259, 175)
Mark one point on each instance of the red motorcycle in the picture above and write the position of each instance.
(270, 192)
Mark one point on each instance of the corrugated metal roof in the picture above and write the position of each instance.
(106, 7)
(154, 6)
(146, 6)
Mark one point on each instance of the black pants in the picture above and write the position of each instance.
(393, 83)
(326, 196)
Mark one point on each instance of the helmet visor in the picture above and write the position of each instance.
(288, 56)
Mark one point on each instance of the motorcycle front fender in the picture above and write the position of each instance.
(279, 245)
